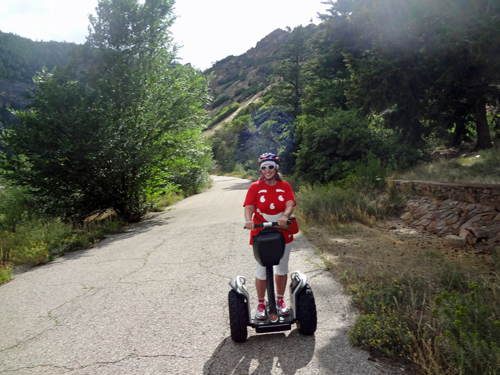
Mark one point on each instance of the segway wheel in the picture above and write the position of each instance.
(238, 316)
(306, 311)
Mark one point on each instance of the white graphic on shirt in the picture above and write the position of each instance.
(272, 206)
(272, 218)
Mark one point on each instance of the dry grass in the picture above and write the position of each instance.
(479, 167)
(394, 275)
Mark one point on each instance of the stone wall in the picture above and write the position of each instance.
(468, 212)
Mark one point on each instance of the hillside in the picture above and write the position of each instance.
(20, 59)
(243, 79)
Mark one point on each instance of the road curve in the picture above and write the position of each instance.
(153, 300)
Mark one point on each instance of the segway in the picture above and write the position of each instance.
(268, 248)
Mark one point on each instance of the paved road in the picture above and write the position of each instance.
(153, 300)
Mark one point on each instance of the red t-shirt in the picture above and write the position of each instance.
(270, 203)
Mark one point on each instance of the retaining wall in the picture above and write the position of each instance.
(471, 212)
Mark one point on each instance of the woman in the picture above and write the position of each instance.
(270, 199)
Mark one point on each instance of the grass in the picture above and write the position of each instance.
(437, 314)
(30, 238)
(330, 205)
(481, 167)
(167, 200)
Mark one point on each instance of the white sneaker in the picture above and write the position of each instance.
(261, 312)
(282, 308)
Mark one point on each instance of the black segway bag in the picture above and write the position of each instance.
(268, 247)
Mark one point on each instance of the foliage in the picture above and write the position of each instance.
(5, 271)
(469, 326)
(289, 91)
(28, 237)
(481, 167)
(333, 147)
(223, 144)
(107, 131)
(224, 113)
(382, 332)
(331, 205)
(220, 100)
(428, 66)
(419, 320)
(255, 130)
(269, 129)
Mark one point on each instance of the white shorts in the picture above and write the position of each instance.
(281, 269)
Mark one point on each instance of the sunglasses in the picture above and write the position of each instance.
(270, 167)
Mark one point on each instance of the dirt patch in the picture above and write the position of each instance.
(394, 247)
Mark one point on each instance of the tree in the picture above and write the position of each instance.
(110, 130)
(428, 61)
(294, 53)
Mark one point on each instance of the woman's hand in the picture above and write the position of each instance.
(283, 221)
(248, 217)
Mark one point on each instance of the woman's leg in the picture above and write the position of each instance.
(280, 278)
(260, 285)
(280, 284)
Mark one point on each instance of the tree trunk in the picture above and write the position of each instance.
(482, 128)
(460, 131)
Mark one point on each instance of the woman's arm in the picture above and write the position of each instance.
(249, 224)
(288, 212)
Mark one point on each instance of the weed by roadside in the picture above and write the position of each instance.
(30, 238)
(331, 205)
(481, 167)
(436, 309)
(438, 328)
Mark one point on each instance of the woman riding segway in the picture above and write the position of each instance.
(270, 200)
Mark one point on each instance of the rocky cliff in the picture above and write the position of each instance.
(238, 78)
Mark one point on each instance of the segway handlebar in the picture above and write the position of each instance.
(267, 224)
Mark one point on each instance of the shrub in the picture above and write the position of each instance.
(224, 113)
(383, 332)
(418, 320)
(220, 100)
(240, 91)
(332, 148)
(470, 330)
(331, 205)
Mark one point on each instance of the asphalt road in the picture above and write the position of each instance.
(153, 300)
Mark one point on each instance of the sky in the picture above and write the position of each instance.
(207, 30)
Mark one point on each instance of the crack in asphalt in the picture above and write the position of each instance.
(145, 261)
(129, 356)
(37, 366)
(52, 318)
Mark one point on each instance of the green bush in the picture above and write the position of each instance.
(425, 321)
(470, 327)
(29, 237)
(332, 148)
(367, 175)
(220, 100)
(330, 205)
(224, 113)
(240, 91)
(383, 332)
